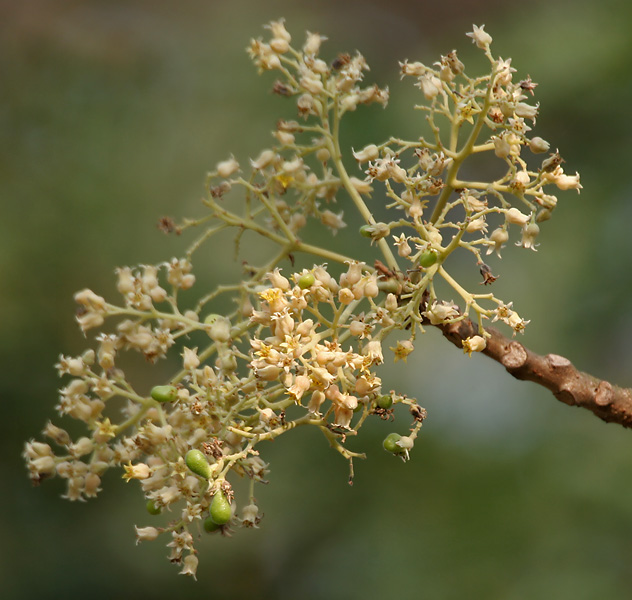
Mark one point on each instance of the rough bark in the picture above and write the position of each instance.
(609, 402)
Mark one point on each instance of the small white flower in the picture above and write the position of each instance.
(498, 237)
(526, 111)
(516, 217)
(430, 85)
(475, 343)
(250, 515)
(190, 359)
(144, 534)
(529, 233)
(312, 43)
(480, 37)
(227, 167)
(189, 565)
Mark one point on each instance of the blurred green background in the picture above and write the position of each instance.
(110, 114)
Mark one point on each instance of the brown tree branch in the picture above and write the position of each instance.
(609, 402)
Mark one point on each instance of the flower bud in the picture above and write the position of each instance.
(537, 145)
(345, 296)
(502, 148)
(144, 534)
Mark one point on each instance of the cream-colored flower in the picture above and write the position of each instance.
(137, 471)
(529, 233)
(480, 37)
(504, 71)
(537, 145)
(498, 238)
(227, 167)
(190, 359)
(475, 225)
(430, 85)
(250, 515)
(373, 350)
(312, 43)
(514, 216)
(332, 220)
(414, 69)
(361, 186)
(402, 350)
(189, 565)
(440, 312)
(475, 343)
(370, 152)
(144, 534)
(403, 247)
(265, 158)
(301, 384)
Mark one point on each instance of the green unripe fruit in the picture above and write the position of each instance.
(220, 512)
(306, 281)
(366, 231)
(390, 443)
(196, 461)
(428, 258)
(210, 526)
(164, 393)
(152, 509)
(384, 402)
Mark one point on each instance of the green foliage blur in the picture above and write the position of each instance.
(110, 115)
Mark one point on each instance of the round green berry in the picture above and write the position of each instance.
(220, 511)
(390, 443)
(196, 461)
(210, 526)
(306, 280)
(152, 509)
(366, 231)
(428, 258)
(164, 393)
(384, 402)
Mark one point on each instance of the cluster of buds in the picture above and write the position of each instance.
(302, 348)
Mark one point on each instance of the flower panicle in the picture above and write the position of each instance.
(301, 347)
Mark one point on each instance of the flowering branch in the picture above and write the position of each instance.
(303, 349)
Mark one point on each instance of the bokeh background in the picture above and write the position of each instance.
(110, 114)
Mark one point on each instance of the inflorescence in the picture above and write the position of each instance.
(301, 348)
